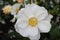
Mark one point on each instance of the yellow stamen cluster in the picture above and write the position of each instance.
(33, 21)
(19, 1)
(7, 9)
(17, 10)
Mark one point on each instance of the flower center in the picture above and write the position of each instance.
(19, 1)
(17, 10)
(7, 9)
(33, 21)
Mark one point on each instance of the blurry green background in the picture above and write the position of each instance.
(7, 31)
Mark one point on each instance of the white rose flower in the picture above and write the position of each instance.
(33, 20)
(15, 10)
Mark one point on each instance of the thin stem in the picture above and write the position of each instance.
(24, 2)
(31, 1)
(35, 1)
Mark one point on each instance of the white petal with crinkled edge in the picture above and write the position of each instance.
(21, 14)
(41, 13)
(23, 32)
(29, 31)
(29, 9)
(21, 23)
(32, 31)
(44, 26)
(48, 18)
(28, 12)
(35, 10)
(36, 37)
(14, 7)
(30, 5)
